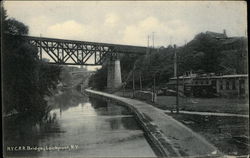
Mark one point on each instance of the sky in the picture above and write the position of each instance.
(130, 22)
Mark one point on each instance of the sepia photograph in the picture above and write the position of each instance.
(124, 79)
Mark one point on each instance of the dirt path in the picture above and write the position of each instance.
(209, 113)
(179, 137)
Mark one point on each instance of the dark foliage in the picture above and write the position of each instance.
(26, 80)
(206, 53)
(99, 79)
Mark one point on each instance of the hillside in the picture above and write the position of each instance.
(208, 52)
(215, 52)
(72, 77)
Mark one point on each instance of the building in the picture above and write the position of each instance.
(210, 85)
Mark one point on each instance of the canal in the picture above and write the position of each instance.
(80, 127)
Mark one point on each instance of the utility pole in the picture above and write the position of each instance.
(40, 50)
(148, 49)
(140, 82)
(133, 84)
(154, 90)
(183, 82)
(148, 41)
(177, 80)
(153, 39)
(123, 87)
(175, 62)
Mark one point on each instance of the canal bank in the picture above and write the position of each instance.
(78, 126)
(167, 136)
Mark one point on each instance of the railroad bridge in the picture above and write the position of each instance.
(72, 52)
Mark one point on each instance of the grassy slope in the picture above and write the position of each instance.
(224, 105)
(223, 132)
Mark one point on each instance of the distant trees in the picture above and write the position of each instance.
(204, 54)
(66, 76)
(99, 79)
(26, 80)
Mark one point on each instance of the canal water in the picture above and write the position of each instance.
(80, 127)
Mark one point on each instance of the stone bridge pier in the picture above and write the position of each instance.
(114, 79)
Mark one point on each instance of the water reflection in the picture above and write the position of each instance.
(96, 127)
(108, 108)
(69, 98)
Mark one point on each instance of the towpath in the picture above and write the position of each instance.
(209, 113)
(169, 136)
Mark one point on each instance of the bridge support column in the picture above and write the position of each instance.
(114, 79)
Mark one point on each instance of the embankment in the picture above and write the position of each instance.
(168, 137)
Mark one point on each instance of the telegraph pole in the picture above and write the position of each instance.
(154, 90)
(140, 82)
(123, 88)
(148, 41)
(153, 39)
(133, 84)
(177, 80)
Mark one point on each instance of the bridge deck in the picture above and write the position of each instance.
(73, 52)
(171, 137)
(118, 48)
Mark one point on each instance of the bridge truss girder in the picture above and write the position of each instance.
(68, 52)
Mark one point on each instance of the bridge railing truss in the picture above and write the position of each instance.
(72, 53)
(68, 52)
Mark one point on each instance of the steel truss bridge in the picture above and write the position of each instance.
(71, 52)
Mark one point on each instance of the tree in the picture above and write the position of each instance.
(204, 54)
(26, 80)
(99, 79)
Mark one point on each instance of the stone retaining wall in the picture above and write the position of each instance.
(156, 138)
(167, 136)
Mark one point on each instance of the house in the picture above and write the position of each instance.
(209, 85)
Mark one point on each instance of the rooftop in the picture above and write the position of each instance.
(214, 76)
(216, 35)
